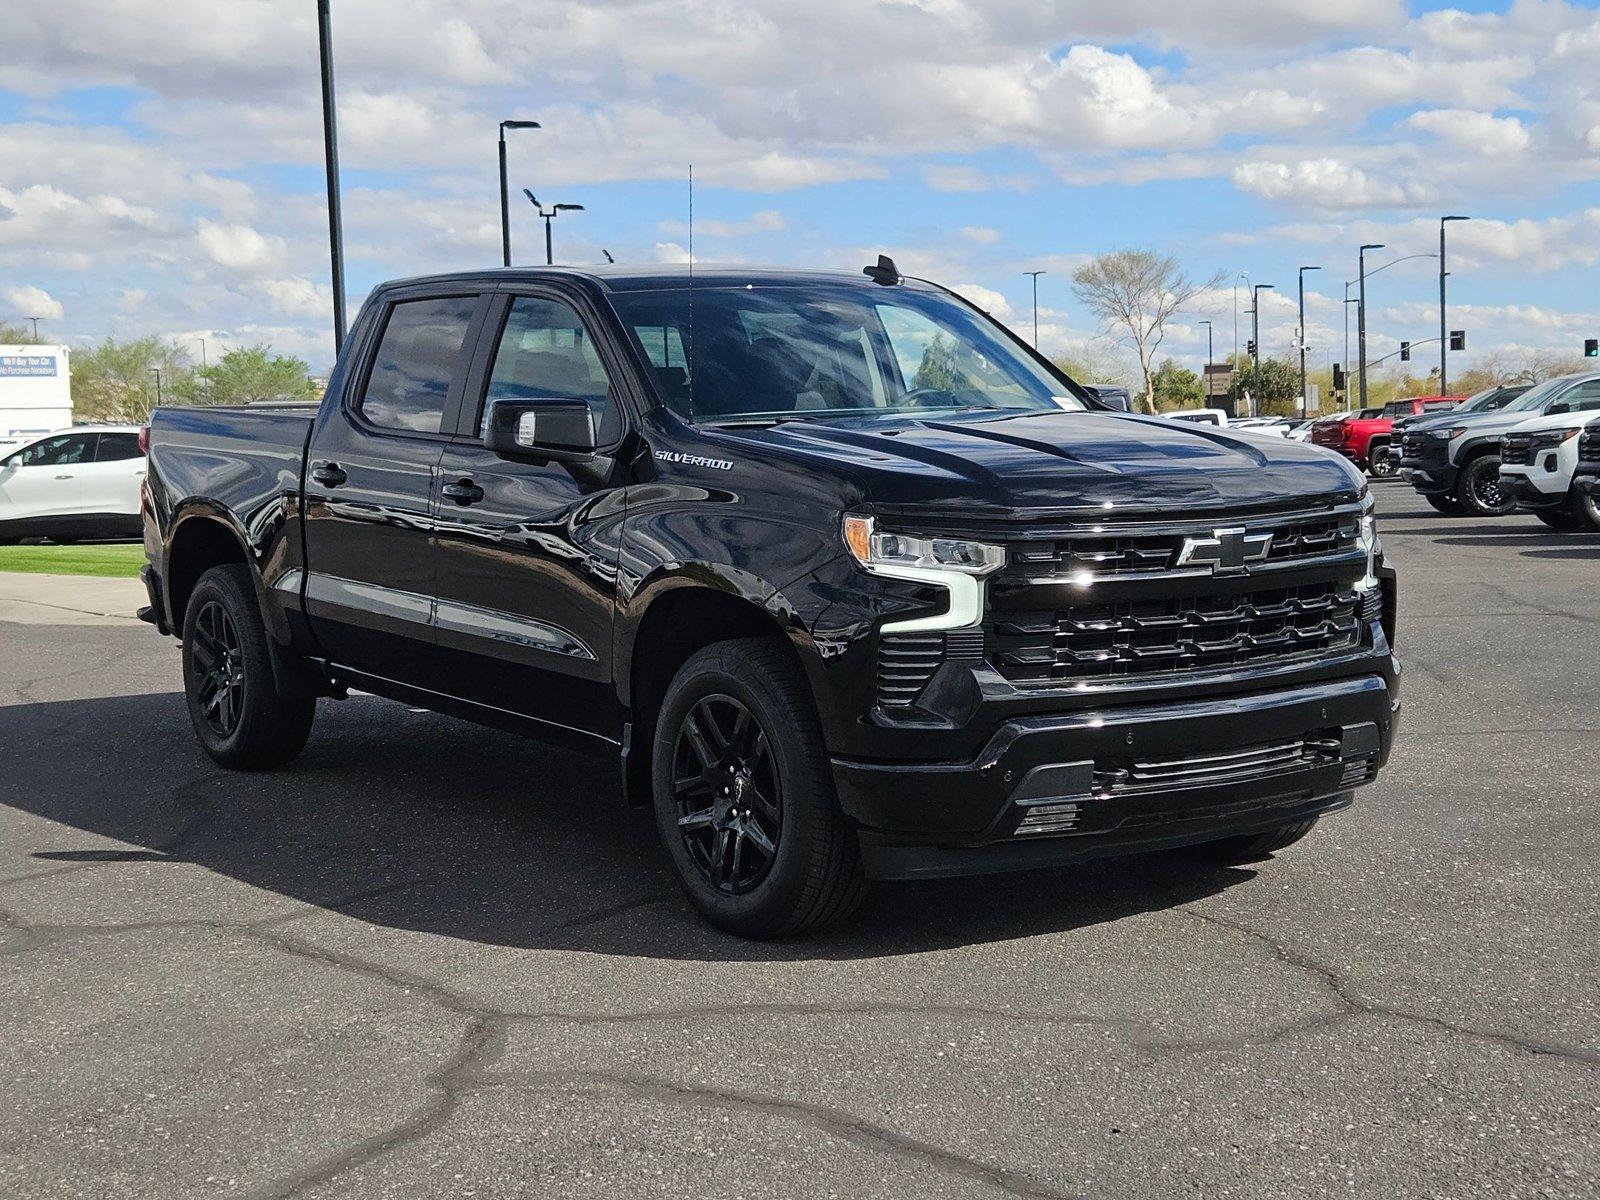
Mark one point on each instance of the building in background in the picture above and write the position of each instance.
(35, 390)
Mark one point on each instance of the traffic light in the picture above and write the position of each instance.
(1458, 339)
(1250, 347)
(1591, 347)
(1405, 351)
(1338, 377)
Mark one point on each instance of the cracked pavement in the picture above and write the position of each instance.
(431, 960)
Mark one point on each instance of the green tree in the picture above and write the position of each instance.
(1084, 366)
(1176, 386)
(1272, 385)
(116, 381)
(248, 373)
(938, 369)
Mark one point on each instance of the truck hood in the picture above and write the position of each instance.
(1490, 424)
(1042, 460)
(1570, 420)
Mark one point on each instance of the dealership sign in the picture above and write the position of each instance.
(13, 366)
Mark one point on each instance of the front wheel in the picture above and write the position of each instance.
(1563, 517)
(1250, 847)
(1480, 491)
(1382, 462)
(239, 715)
(1585, 510)
(744, 798)
(1446, 504)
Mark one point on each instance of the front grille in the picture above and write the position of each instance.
(1589, 444)
(1132, 776)
(1112, 555)
(1414, 445)
(1516, 448)
(1173, 634)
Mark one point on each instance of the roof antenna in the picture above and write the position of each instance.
(884, 272)
(607, 253)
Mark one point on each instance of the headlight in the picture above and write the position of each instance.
(955, 564)
(1367, 539)
(1444, 435)
(1548, 438)
(872, 547)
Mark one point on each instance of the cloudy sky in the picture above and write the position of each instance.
(160, 160)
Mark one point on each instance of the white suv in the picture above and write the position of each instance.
(75, 483)
(1537, 460)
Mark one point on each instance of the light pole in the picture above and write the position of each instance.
(1361, 314)
(1255, 334)
(35, 321)
(1444, 336)
(1303, 271)
(1207, 324)
(549, 215)
(505, 203)
(1035, 275)
(330, 152)
(1347, 303)
(1244, 275)
(156, 371)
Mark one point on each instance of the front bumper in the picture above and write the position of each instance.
(1054, 789)
(1589, 485)
(1428, 469)
(1527, 493)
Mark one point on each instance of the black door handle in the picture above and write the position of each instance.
(328, 474)
(463, 492)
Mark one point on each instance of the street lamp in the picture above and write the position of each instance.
(330, 152)
(1035, 275)
(1444, 336)
(35, 321)
(1361, 314)
(505, 204)
(1255, 332)
(549, 214)
(1303, 271)
(1207, 324)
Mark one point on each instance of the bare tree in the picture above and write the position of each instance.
(1135, 293)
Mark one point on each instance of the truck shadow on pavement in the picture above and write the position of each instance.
(419, 822)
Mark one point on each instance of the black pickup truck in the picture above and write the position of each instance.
(848, 581)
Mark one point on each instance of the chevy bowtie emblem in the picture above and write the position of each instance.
(1226, 552)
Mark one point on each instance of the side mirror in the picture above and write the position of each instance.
(549, 431)
(1556, 407)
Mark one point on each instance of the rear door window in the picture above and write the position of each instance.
(419, 358)
(118, 447)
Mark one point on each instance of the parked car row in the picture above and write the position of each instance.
(1522, 456)
(75, 483)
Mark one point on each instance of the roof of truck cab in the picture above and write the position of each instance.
(620, 278)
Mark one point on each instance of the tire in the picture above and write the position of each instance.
(1563, 518)
(1479, 490)
(787, 861)
(1585, 510)
(1251, 847)
(1446, 504)
(238, 713)
(1381, 464)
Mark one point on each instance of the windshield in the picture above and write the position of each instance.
(770, 353)
(1535, 397)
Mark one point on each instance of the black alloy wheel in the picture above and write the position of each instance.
(728, 794)
(220, 660)
(1488, 493)
(1383, 463)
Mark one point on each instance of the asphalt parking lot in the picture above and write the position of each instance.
(430, 960)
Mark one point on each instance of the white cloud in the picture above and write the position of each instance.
(1474, 132)
(981, 234)
(297, 297)
(240, 248)
(1326, 183)
(30, 301)
(991, 301)
(671, 252)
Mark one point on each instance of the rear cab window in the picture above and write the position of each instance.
(419, 355)
(118, 447)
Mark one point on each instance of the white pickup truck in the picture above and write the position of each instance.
(1537, 461)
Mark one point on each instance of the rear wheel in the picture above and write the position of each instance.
(239, 715)
(1446, 504)
(1250, 847)
(744, 797)
(1382, 462)
(1479, 489)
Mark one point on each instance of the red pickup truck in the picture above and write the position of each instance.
(1364, 437)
